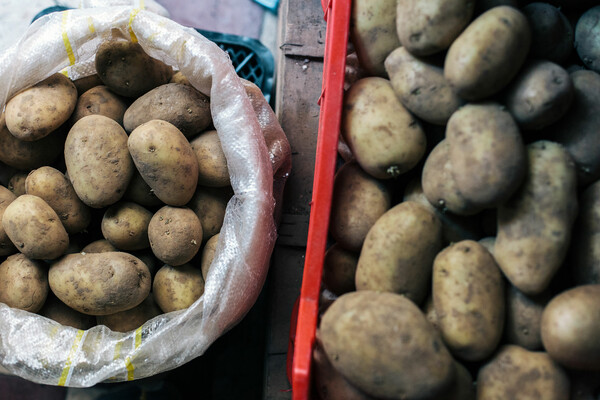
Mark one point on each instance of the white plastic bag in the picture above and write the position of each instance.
(41, 350)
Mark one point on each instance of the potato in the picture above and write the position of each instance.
(127, 70)
(439, 186)
(328, 382)
(339, 270)
(212, 164)
(100, 283)
(551, 32)
(534, 226)
(99, 246)
(385, 138)
(16, 183)
(131, 319)
(208, 255)
(382, 343)
(23, 283)
(398, 252)
(421, 87)
(24, 155)
(358, 201)
(373, 32)
(176, 288)
(35, 228)
(454, 227)
(463, 387)
(86, 83)
(516, 373)
(488, 242)
(486, 153)
(54, 188)
(166, 161)
(584, 251)
(140, 192)
(99, 100)
(540, 95)
(58, 311)
(39, 110)
(587, 33)
(488, 53)
(6, 246)
(428, 27)
(181, 105)
(125, 226)
(97, 160)
(570, 326)
(175, 235)
(468, 296)
(577, 130)
(210, 204)
(523, 318)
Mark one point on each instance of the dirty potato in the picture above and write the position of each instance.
(175, 235)
(176, 288)
(23, 283)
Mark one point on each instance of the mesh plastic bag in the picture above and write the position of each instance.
(258, 157)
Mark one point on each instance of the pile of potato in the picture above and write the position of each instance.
(464, 259)
(117, 192)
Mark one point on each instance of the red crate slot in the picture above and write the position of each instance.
(337, 14)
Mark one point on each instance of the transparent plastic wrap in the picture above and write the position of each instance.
(258, 157)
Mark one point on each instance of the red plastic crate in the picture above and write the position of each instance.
(302, 331)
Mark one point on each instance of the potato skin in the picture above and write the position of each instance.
(125, 226)
(23, 283)
(166, 161)
(358, 201)
(133, 318)
(468, 296)
(570, 328)
(6, 246)
(486, 152)
(551, 32)
(181, 105)
(127, 70)
(99, 100)
(373, 33)
(58, 311)
(138, 191)
(398, 252)
(488, 53)
(382, 343)
(99, 246)
(421, 87)
(577, 130)
(35, 228)
(428, 27)
(584, 251)
(175, 235)
(516, 373)
(210, 204)
(35, 112)
(98, 163)
(212, 163)
(384, 137)
(54, 188)
(523, 318)
(100, 283)
(208, 254)
(24, 155)
(534, 226)
(176, 288)
(16, 183)
(339, 270)
(540, 95)
(587, 33)
(439, 186)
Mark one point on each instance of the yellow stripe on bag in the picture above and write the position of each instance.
(65, 372)
(65, 37)
(128, 364)
(132, 15)
(91, 25)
